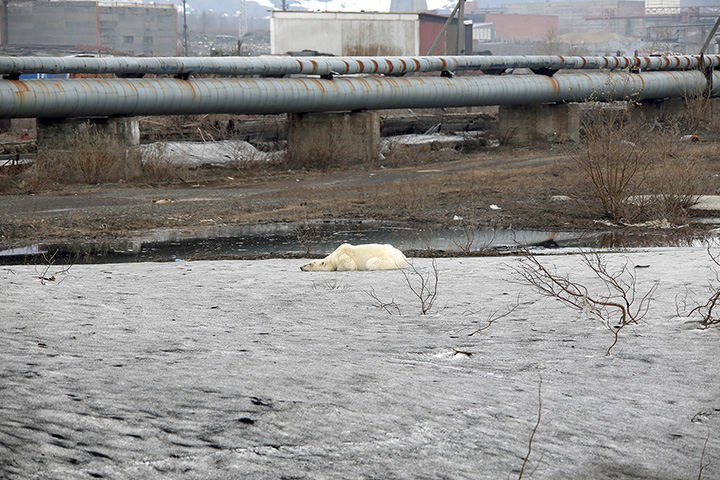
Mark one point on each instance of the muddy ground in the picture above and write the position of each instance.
(503, 187)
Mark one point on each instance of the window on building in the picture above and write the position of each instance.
(147, 40)
(128, 39)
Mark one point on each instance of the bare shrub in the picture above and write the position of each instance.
(465, 239)
(696, 112)
(423, 284)
(495, 316)
(619, 300)
(335, 284)
(706, 311)
(87, 158)
(334, 150)
(248, 160)
(157, 165)
(616, 157)
(307, 235)
(390, 307)
(47, 272)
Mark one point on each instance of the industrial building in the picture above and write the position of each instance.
(363, 33)
(67, 26)
(505, 28)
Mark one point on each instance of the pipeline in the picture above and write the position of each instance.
(168, 96)
(275, 66)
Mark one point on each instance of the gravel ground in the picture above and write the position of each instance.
(254, 369)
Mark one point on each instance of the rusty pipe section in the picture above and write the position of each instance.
(276, 66)
(169, 96)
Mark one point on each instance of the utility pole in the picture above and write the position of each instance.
(461, 28)
(243, 19)
(444, 28)
(185, 32)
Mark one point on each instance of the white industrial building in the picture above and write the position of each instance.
(343, 33)
(363, 33)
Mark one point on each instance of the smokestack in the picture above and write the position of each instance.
(408, 5)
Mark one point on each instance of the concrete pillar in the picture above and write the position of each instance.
(663, 109)
(55, 133)
(91, 150)
(539, 123)
(715, 114)
(317, 140)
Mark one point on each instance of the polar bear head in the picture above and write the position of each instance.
(320, 265)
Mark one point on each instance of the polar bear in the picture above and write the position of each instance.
(373, 256)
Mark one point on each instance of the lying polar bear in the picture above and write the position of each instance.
(373, 256)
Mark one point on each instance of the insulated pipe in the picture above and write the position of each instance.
(335, 65)
(168, 96)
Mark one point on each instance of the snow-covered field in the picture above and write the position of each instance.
(255, 370)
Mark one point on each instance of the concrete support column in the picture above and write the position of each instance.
(332, 139)
(715, 114)
(57, 133)
(89, 150)
(539, 123)
(663, 109)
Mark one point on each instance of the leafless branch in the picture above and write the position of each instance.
(307, 236)
(390, 307)
(426, 287)
(494, 317)
(48, 264)
(698, 418)
(706, 312)
(532, 435)
(619, 300)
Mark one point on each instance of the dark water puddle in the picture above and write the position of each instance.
(283, 239)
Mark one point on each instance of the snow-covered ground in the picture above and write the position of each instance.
(256, 370)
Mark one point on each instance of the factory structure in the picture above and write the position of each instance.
(36, 27)
(363, 33)
(587, 27)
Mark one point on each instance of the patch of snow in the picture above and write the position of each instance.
(707, 202)
(196, 154)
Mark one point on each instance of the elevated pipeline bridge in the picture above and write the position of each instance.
(270, 85)
(116, 90)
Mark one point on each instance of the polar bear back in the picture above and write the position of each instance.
(372, 256)
(347, 257)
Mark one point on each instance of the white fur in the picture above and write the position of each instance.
(346, 257)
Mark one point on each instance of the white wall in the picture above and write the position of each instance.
(340, 33)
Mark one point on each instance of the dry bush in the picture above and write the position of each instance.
(423, 284)
(249, 161)
(87, 158)
(336, 150)
(398, 156)
(619, 301)
(636, 172)
(307, 235)
(696, 113)
(158, 167)
(706, 310)
(616, 157)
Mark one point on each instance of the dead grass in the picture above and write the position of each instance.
(86, 159)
